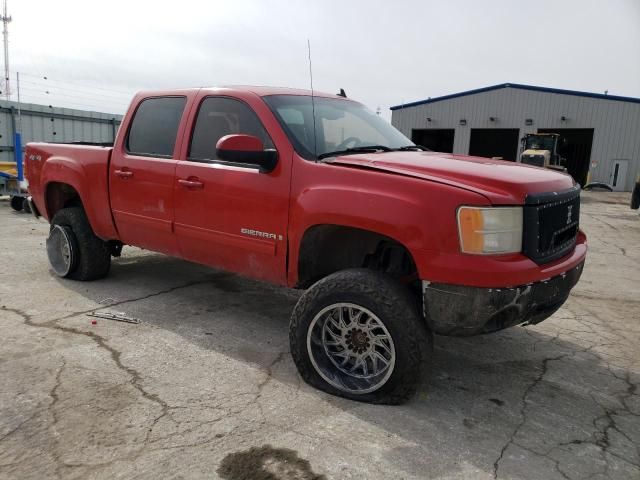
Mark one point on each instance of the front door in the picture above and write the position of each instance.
(142, 174)
(618, 176)
(229, 215)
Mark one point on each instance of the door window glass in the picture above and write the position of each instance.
(220, 116)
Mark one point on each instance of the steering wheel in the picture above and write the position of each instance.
(344, 144)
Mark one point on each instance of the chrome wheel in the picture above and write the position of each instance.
(350, 348)
(60, 250)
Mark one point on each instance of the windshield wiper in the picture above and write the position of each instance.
(411, 148)
(364, 148)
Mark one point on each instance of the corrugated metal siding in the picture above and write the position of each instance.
(616, 124)
(42, 123)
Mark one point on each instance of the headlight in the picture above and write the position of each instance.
(492, 230)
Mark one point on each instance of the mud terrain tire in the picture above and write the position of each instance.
(91, 255)
(390, 304)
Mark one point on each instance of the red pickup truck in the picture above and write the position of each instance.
(393, 243)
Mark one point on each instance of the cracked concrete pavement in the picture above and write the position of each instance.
(206, 378)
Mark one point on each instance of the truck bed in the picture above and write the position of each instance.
(85, 168)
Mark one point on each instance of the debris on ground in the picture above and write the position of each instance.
(117, 316)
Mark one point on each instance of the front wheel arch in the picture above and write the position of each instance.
(328, 248)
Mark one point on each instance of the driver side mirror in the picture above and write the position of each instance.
(246, 149)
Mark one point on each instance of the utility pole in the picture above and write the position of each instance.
(6, 19)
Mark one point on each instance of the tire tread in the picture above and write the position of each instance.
(94, 256)
(413, 336)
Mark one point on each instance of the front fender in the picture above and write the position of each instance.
(395, 215)
(417, 214)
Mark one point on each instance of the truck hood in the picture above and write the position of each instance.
(501, 182)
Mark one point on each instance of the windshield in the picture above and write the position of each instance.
(340, 125)
(539, 143)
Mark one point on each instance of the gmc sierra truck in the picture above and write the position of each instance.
(393, 243)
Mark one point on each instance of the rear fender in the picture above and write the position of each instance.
(92, 189)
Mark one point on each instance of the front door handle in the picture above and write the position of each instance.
(190, 182)
(123, 173)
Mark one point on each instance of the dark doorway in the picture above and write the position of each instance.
(575, 146)
(436, 139)
(494, 142)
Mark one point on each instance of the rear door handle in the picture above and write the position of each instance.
(123, 173)
(190, 182)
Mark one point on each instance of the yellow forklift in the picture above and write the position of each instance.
(541, 150)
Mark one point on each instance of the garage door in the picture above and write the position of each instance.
(494, 142)
(436, 139)
(575, 147)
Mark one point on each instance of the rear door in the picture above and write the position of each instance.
(142, 174)
(229, 215)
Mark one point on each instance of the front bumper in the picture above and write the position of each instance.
(458, 310)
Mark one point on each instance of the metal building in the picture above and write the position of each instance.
(601, 133)
(44, 123)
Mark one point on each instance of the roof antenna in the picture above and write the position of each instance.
(313, 104)
(342, 93)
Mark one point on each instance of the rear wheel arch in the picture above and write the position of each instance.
(327, 248)
(59, 195)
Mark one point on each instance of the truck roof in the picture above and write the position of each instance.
(261, 91)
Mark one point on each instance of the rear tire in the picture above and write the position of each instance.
(73, 249)
(16, 203)
(359, 334)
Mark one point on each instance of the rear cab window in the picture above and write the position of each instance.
(154, 127)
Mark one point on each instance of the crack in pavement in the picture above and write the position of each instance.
(135, 379)
(265, 382)
(36, 412)
(55, 398)
(602, 424)
(269, 373)
(100, 341)
(134, 375)
(226, 413)
(132, 300)
(538, 454)
(523, 408)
